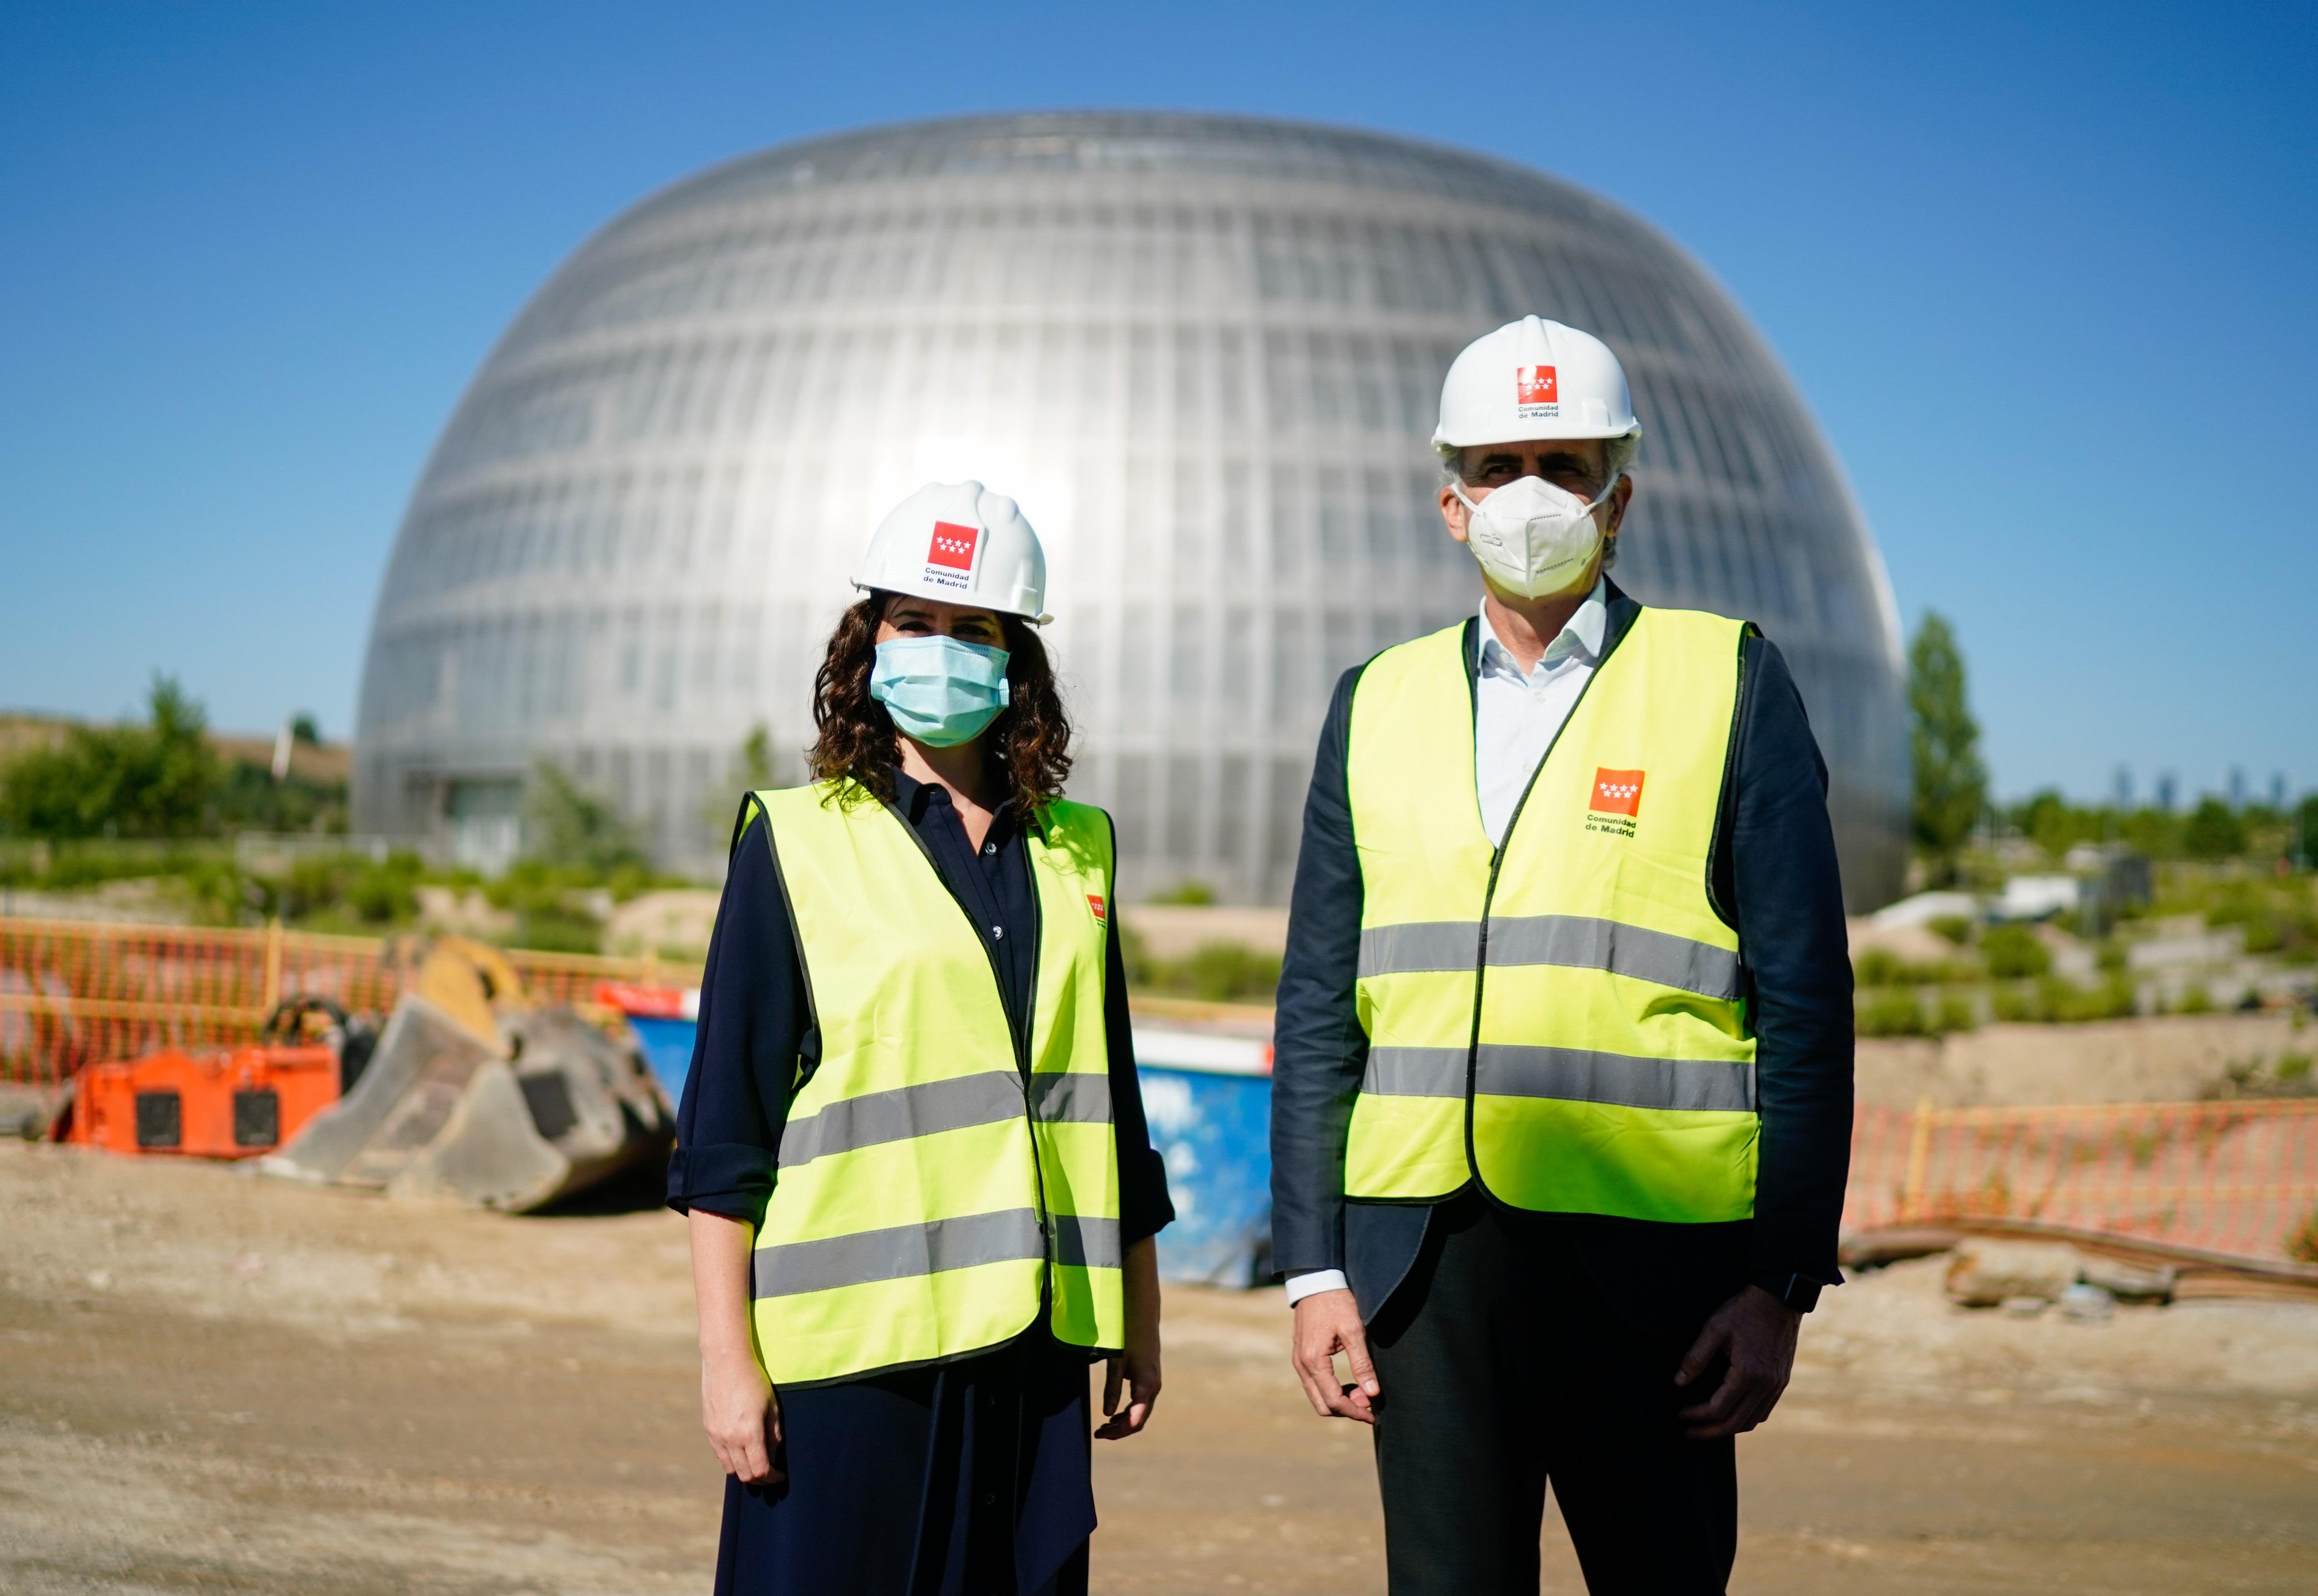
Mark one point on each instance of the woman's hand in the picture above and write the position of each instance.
(742, 1417)
(1137, 1368)
(738, 1408)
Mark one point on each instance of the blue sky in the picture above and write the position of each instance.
(2044, 273)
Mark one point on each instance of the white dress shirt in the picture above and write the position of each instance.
(1516, 719)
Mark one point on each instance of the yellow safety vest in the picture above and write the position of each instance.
(1560, 1019)
(939, 1175)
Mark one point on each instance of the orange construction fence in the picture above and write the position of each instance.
(2238, 1177)
(76, 992)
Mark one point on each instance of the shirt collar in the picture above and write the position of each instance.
(1582, 633)
(913, 796)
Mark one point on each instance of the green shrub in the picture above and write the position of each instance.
(541, 897)
(1879, 967)
(1142, 969)
(1956, 928)
(2016, 1005)
(2197, 1000)
(1219, 972)
(2014, 952)
(2214, 830)
(2113, 999)
(2052, 1001)
(158, 780)
(1893, 1011)
(1955, 1013)
(2303, 1245)
(385, 892)
(1195, 894)
(1215, 972)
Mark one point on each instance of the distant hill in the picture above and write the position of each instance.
(325, 764)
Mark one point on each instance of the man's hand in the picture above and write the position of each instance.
(1328, 1322)
(1756, 1334)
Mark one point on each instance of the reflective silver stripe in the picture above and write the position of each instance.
(898, 1254)
(1623, 949)
(902, 1112)
(1420, 945)
(1576, 1075)
(1416, 1072)
(953, 1105)
(1572, 940)
(1072, 1097)
(1087, 1243)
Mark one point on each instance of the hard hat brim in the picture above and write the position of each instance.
(964, 602)
(1535, 432)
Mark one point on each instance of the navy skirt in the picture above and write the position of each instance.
(965, 1479)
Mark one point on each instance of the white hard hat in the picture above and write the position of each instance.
(1533, 379)
(962, 544)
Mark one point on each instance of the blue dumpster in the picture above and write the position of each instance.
(667, 1048)
(1208, 1098)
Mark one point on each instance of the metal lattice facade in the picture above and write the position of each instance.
(1203, 352)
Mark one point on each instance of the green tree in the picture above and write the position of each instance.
(2214, 830)
(755, 766)
(158, 780)
(751, 771)
(1950, 783)
(568, 826)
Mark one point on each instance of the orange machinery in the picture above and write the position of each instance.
(228, 1105)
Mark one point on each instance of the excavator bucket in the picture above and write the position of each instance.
(473, 1096)
(569, 1110)
(417, 1079)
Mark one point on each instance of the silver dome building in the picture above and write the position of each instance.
(1204, 354)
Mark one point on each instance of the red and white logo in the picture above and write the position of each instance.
(1101, 915)
(953, 545)
(1617, 792)
(1536, 384)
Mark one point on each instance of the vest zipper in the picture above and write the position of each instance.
(1496, 862)
(1018, 1033)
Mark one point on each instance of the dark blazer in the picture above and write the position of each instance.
(1774, 879)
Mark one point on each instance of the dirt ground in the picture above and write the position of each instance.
(213, 1382)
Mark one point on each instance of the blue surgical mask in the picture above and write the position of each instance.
(940, 691)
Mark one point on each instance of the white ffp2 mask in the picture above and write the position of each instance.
(1532, 537)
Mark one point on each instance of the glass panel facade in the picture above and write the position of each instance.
(1203, 352)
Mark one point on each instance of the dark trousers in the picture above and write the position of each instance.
(1504, 1367)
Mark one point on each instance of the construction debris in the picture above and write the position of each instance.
(1983, 1274)
(2129, 1268)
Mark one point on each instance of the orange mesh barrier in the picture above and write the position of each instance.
(2238, 1177)
(75, 992)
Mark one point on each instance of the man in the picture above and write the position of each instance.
(1561, 1102)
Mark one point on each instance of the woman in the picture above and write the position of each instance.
(921, 1195)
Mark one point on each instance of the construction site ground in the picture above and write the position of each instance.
(213, 1382)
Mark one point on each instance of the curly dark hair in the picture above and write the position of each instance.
(1030, 740)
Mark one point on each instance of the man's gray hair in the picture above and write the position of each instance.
(1617, 453)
